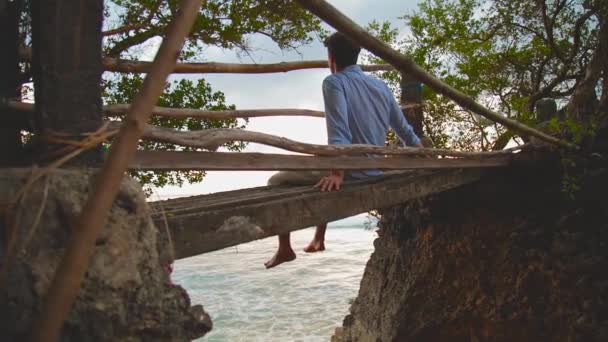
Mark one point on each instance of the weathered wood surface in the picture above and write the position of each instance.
(220, 161)
(118, 65)
(218, 114)
(202, 224)
(119, 109)
(128, 66)
(211, 139)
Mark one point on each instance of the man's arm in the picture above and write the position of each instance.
(403, 129)
(338, 130)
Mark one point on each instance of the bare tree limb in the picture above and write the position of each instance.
(118, 65)
(125, 29)
(135, 26)
(119, 109)
(126, 66)
(584, 99)
(220, 114)
(211, 139)
(136, 39)
(566, 66)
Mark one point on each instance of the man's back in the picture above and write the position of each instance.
(359, 110)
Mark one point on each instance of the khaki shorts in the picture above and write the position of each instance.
(297, 177)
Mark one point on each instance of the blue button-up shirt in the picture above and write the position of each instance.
(359, 109)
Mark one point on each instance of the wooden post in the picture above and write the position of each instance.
(10, 126)
(66, 61)
(411, 99)
(546, 109)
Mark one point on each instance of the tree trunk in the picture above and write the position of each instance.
(10, 128)
(66, 37)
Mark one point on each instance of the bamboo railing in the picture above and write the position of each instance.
(181, 113)
(128, 66)
(317, 159)
(125, 66)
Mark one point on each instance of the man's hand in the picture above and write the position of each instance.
(331, 182)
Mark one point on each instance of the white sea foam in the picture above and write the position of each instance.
(303, 300)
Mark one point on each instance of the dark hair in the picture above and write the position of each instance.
(344, 51)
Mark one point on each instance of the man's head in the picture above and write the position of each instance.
(341, 51)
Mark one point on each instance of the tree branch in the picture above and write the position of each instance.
(128, 66)
(584, 99)
(211, 139)
(139, 38)
(182, 113)
(119, 65)
(131, 27)
(562, 74)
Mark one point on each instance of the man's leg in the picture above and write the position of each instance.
(318, 242)
(284, 253)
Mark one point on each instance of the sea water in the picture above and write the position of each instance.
(302, 300)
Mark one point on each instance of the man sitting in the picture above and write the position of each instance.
(359, 109)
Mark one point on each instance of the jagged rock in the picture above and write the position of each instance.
(127, 294)
(506, 259)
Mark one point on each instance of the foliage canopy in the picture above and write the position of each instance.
(507, 54)
(132, 28)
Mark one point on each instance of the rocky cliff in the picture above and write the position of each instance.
(510, 258)
(126, 295)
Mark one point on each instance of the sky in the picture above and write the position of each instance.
(296, 89)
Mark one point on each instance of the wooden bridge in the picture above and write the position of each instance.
(201, 224)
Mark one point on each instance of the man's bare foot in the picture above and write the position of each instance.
(315, 246)
(279, 258)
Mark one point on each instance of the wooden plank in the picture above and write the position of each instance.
(214, 227)
(127, 66)
(120, 109)
(220, 161)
